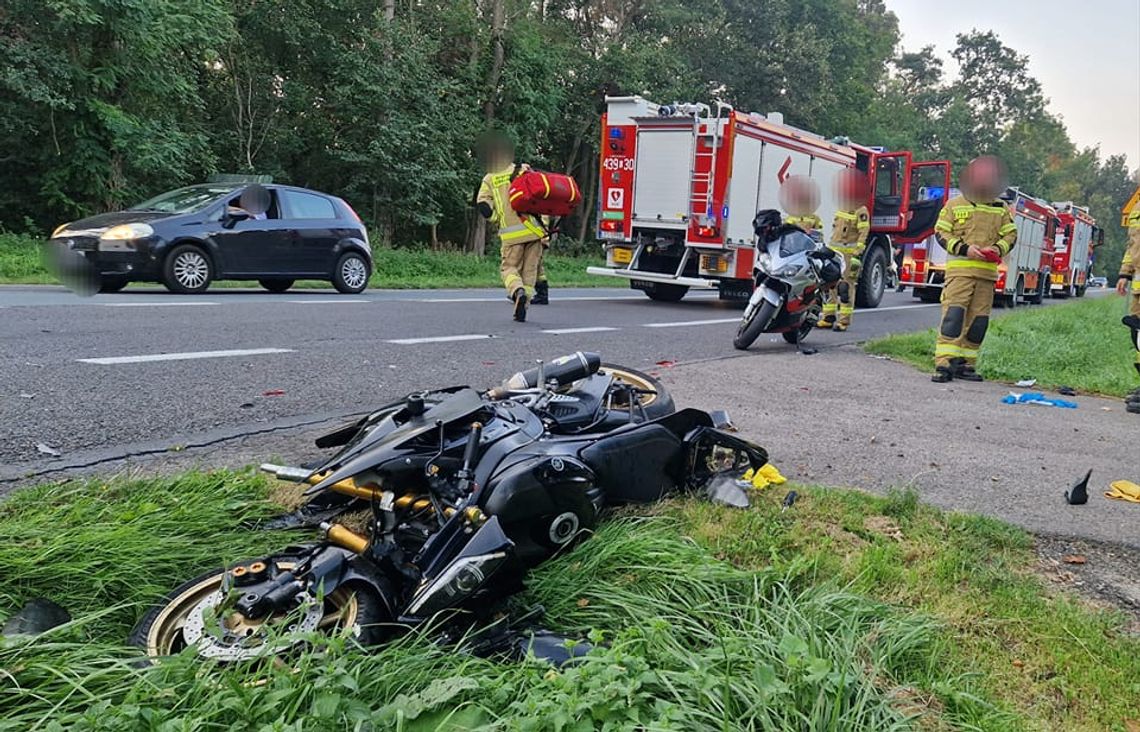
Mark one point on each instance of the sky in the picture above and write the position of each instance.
(1085, 54)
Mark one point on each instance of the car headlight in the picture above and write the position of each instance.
(58, 229)
(462, 578)
(127, 232)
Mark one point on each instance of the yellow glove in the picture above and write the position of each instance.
(1124, 490)
(773, 475)
(756, 479)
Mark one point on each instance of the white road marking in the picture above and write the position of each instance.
(568, 331)
(327, 302)
(151, 304)
(582, 298)
(183, 356)
(683, 323)
(439, 339)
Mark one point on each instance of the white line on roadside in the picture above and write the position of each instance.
(183, 356)
(153, 304)
(582, 298)
(439, 339)
(568, 331)
(683, 323)
(327, 302)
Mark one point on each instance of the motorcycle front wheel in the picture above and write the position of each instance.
(195, 614)
(657, 404)
(753, 324)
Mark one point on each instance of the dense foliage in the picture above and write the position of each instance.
(104, 102)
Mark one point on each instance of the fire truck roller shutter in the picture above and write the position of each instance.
(777, 164)
(825, 173)
(662, 177)
(744, 190)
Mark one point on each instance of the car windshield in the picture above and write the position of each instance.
(184, 200)
(794, 243)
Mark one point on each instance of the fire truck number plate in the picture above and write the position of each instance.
(622, 256)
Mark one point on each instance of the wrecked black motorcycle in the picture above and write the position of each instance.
(466, 491)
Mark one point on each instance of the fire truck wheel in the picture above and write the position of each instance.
(874, 279)
(667, 293)
(1042, 290)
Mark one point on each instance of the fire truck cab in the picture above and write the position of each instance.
(680, 185)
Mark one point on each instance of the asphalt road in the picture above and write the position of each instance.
(143, 370)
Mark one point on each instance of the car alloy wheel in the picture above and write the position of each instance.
(354, 272)
(191, 270)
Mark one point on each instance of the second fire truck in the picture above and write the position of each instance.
(680, 185)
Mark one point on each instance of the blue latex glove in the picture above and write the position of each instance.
(1037, 398)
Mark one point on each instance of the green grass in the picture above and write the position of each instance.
(847, 612)
(1079, 344)
(21, 263)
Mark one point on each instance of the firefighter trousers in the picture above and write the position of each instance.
(840, 298)
(1134, 310)
(966, 305)
(519, 266)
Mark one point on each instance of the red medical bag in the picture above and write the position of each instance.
(544, 194)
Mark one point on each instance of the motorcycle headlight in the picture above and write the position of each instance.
(790, 271)
(458, 581)
(127, 232)
(764, 261)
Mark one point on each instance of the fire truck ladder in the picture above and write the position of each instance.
(702, 184)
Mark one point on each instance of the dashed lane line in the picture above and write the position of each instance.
(192, 355)
(569, 331)
(439, 339)
(340, 301)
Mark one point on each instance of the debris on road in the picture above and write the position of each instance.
(1075, 559)
(25, 395)
(666, 364)
(1078, 495)
(1038, 399)
(1026, 383)
(48, 450)
(789, 500)
(1067, 391)
(273, 393)
(1123, 490)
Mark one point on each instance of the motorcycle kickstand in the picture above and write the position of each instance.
(800, 346)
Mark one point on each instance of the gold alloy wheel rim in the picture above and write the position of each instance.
(634, 380)
(167, 627)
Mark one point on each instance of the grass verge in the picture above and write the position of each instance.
(1079, 344)
(847, 612)
(397, 269)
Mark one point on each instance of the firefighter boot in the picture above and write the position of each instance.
(964, 370)
(840, 326)
(541, 293)
(942, 375)
(520, 300)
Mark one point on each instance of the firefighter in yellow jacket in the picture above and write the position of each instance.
(799, 197)
(976, 229)
(849, 233)
(522, 237)
(1128, 284)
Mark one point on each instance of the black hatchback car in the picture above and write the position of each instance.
(189, 237)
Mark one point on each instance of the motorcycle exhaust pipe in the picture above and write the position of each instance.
(562, 371)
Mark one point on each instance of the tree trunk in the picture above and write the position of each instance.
(584, 225)
(495, 75)
(434, 237)
(476, 226)
(389, 9)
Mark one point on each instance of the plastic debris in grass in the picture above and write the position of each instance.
(1038, 399)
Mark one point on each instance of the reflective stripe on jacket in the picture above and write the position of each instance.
(849, 231)
(513, 228)
(963, 224)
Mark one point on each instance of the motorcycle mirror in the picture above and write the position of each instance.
(723, 489)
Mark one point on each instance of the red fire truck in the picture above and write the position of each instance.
(1023, 276)
(680, 185)
(1077, 234)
